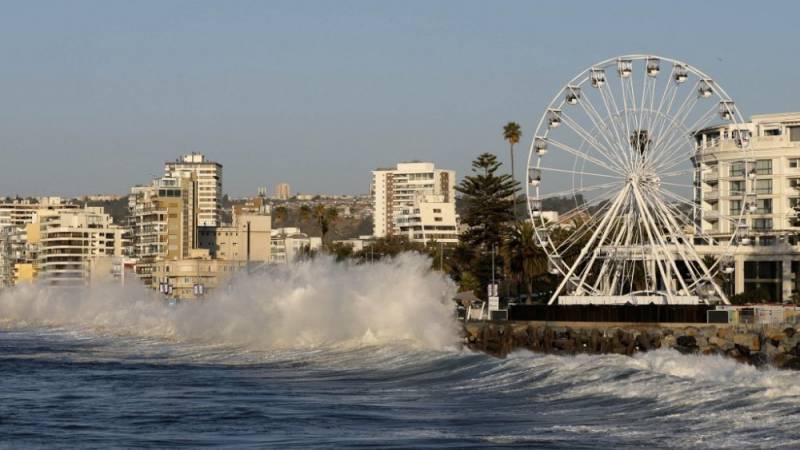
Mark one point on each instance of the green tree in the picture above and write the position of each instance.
(280, 214)
(525, 258)
(304, 213)
(512, 133)
(487, 199)
(324, 217)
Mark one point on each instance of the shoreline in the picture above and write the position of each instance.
(775, 345)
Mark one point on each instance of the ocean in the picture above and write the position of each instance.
(287, 361)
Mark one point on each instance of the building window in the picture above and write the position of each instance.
(737, 169)
(762, 224)
(764, 167)
(794, 201)
(794, 163)
(763, 187)
(764, 206)
(736, 206)
(772, 132)
(794, 133)
(737, 187)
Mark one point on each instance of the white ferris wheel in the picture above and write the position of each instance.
(618, 142)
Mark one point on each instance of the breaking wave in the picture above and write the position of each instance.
(313, 302)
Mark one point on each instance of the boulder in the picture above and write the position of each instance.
(720, 343)
(726, 333)
(750, 340)
(669, 341)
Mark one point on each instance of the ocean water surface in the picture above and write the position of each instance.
(302, 358)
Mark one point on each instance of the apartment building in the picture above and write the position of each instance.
(193, 277)
(430, 218)
(17, 255)
(73, 245)
(289, 243)
(209, 185)
(397, 193)
(248, 239)
(163, 221)
(761, 186)
(282, 191)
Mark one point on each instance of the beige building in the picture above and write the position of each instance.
(282, 191)
(208, 175)
(192, 277)
(164, 217)
(397, 190)
(246, 240)
(17, 255)
(760, 185)
(74, 245)
(429, 218)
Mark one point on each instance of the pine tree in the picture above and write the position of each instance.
(488, 200)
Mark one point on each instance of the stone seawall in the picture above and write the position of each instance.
(758, 345)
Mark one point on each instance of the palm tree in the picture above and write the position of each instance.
(305, 213)
(280, 214)
(324, 216)
(512, 133)
(524, 255)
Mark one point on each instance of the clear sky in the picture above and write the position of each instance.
(96, 95)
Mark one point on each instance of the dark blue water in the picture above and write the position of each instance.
(81, 388)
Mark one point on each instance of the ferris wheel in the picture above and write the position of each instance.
(619, 143)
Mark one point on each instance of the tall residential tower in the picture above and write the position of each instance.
(209, 185)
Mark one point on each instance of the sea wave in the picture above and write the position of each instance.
(309, 303)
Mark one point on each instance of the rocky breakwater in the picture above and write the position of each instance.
(775, 345)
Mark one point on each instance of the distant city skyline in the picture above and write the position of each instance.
(98, 95)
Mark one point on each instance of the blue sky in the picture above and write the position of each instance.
(95, 96)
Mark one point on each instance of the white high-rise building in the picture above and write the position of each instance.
(209, 185)
(767, 188)
(406, 199)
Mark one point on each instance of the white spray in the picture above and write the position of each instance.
(308, 303)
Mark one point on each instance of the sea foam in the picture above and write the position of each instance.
(307, 303)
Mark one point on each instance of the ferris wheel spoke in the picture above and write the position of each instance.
(583, 230)
(658, 244)
(580, 172)
(675, 232)
(664, 107)
(675, 143)
(616, 120)
(671, 120)
(588, 138)
(604, 129)
(579, 190)
(584, 156)
(567, 277)
(677, 173)
(677, 122)
(700, 273)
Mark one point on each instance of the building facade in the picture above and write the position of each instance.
(760, 186)
(288, 244)
(402, 190)
(282, 191)
(74, 246)
(163, 221)
(429, 218)
(209, 185)
(247, 240)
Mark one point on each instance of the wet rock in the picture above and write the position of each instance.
(749, 340)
